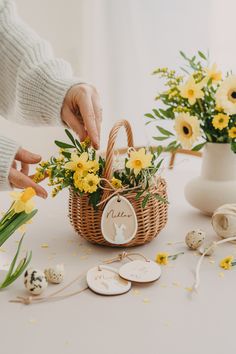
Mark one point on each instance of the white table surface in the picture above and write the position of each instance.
(161, 318)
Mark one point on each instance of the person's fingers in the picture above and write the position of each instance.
(98, 113)
(19, 180)
(14, 165)
(73, 122)
(86, 109)
(24, 168)
(27, 156)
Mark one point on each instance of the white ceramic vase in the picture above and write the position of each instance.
(217, 184)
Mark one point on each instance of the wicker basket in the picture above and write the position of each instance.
(87, 221)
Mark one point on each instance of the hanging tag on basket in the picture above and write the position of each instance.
(119, 221)
(140, 271)
(105, 280)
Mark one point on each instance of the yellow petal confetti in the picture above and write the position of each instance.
(146, 300)
(221, 275)
(44, 245)
(190, 289)
(32, 321)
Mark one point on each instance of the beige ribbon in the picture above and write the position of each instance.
(28, 300)
(116, 191)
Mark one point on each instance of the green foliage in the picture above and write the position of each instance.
(172, 103)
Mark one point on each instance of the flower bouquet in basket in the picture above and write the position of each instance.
(201, 103)
(124, 206)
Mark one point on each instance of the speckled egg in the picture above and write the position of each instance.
(35, 281)
(195, 238)
(55, 274)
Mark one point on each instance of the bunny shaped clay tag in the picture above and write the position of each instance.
(119, 221)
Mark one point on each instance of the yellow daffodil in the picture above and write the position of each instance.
(90, 183)
(93, 166)
(139, 160)
(162, 258)
(220, 121)
(187, 129)
(86, 142)
(213, 74)
(226, 263)
(232, 133)
(22, 200)
(226, 95)
(116, 182)
(78, 163)
(192, 90)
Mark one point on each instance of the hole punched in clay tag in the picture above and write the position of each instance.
(119, 221)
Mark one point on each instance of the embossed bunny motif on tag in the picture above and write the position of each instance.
(119, 221)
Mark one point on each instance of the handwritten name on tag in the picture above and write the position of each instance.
(119, 221)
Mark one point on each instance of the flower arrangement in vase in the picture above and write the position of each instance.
(202, 105)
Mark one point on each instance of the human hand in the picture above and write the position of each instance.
(20, 179)
(82, 112)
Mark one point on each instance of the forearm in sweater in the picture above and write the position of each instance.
(33, 83)
(8, 149)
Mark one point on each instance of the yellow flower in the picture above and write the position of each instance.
(78, 181)
(220, 121)
(22, 200)
(90, 183)
(116, 182)
(213, 74)
(226, 95)
(232, 133)
(139, 160)
(162, 258)
(192, 90)
(187, 129)
(86, 142)
(78, 163)
(93, 166)
(226, 263)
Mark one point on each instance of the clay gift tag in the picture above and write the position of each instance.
(119, 221)
(105, 280)
(140, 271)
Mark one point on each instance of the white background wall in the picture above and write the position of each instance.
(116, 44)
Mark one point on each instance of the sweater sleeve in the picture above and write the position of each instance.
(33, 83)
(8, 149)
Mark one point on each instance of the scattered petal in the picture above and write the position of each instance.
(82, 258)
(164, 285)
(146, 300)
(32, 321)
(221, 275)
(190, 289)
(44, 245)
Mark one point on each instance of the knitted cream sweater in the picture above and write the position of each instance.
(33, 83)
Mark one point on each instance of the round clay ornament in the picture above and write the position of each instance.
(105, 280)
(140, 271)
(195, 238)
(119, 221)
(35, 281)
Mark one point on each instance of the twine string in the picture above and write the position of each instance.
(54, 296)
(199, 263)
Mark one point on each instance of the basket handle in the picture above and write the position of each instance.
(111, 144)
